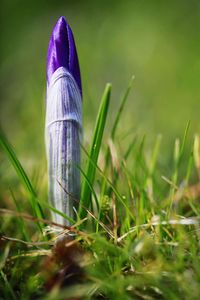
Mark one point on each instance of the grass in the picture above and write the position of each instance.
(137, 235)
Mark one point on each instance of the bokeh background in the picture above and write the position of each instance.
(157, 41)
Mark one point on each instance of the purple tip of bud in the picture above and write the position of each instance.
(62, 52)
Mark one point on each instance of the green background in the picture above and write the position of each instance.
(157, 41)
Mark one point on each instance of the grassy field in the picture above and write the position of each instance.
(137, 232)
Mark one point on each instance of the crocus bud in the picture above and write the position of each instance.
(63, 121)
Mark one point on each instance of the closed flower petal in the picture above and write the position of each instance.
(62, 52)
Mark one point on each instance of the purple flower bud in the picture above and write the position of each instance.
(63, 121)
(62, 52)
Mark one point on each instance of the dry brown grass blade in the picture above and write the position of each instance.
(44, 221)
(30, 244)
(192, 191)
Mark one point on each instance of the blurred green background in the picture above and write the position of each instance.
(157, 41)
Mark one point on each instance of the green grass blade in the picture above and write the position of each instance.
(120, 110)
(20, 220)
(155, 155)
(10, 294)
(53, 209)
(6, 147)
(184, 142)
(178, 157)
(95, 148)
(117, 118)
(90, 186)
